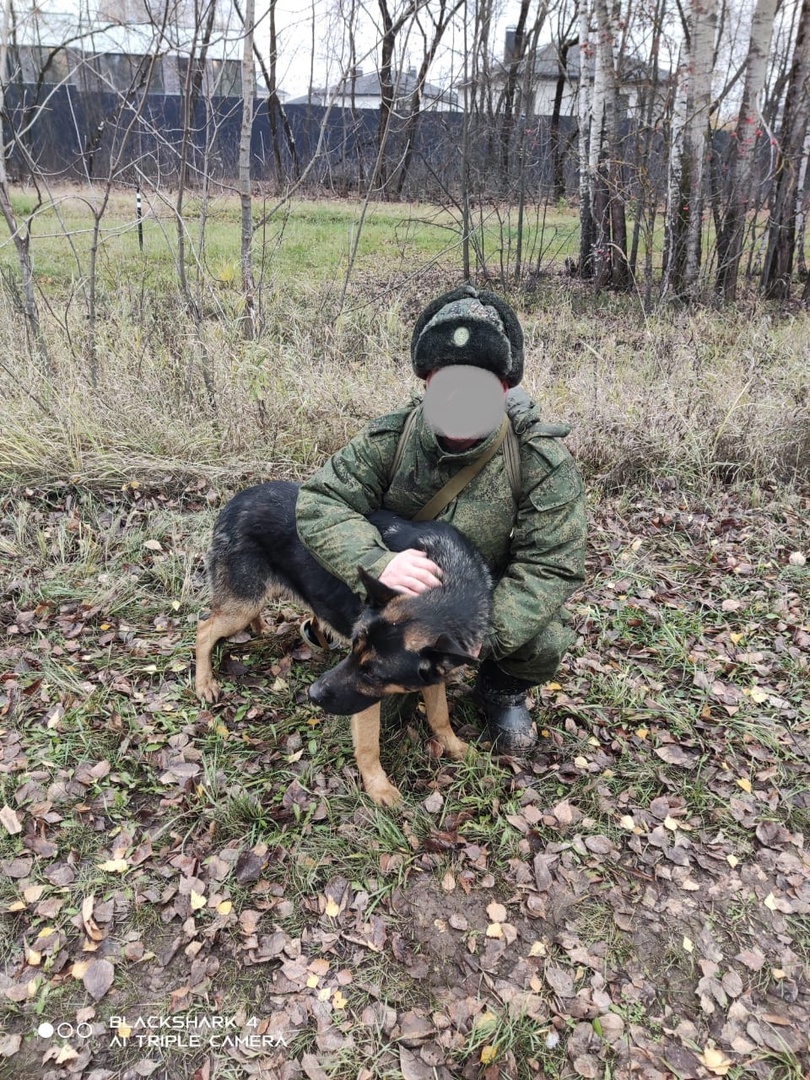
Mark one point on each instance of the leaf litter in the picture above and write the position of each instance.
(635, 898)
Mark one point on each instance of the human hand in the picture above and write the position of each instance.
(411, 572)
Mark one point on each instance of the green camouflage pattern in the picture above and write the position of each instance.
(536, 550)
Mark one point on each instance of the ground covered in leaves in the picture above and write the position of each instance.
(204, 892)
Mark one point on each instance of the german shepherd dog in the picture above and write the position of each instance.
(399, 642)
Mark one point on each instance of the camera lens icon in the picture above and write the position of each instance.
(63, 1030)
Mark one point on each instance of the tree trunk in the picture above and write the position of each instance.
(742, 164)
(778, 266)
(704, 24)
(587, 231)
(511, 94)
(245, 193)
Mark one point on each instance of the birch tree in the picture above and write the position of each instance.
(587, 231)
(245, 196)
(742, 165)
(778, 266)
(688, 151)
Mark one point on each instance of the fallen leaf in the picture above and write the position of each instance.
(715, 1061)
(10, 1045)
(10, 821)
(114, 866)
(98, 978)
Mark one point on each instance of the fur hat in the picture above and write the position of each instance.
(468, 326)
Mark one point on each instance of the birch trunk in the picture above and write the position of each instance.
(778, 267)
(703, 28)
(742, 166)
(245, 193)
(584, 114)
(674, 226)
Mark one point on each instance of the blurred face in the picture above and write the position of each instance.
(464, 402)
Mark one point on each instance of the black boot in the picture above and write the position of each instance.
(503, 699)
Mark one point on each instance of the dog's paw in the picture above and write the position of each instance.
(450, 746)
(207, 689)
(384, 793)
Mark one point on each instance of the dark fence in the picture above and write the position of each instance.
(76, 135)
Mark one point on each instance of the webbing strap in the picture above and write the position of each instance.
(457, 483)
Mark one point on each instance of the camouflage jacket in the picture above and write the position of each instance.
(536, 549)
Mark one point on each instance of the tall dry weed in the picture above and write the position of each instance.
(699, 397)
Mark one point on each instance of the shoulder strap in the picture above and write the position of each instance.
(511, 455)
(410, 423)
(458, 482)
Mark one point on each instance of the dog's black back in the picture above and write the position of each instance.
(256, 550)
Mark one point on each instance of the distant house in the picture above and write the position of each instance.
(553, 61)
(120, 50)
(359, 91)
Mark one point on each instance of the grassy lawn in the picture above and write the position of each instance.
(205, 892)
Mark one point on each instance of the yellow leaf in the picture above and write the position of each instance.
(332, 908)
(770, 902)
(688, 945)
(736, 638)
(488, 1054)
(225, 908)
(124, 1030)
(175, 605)
(486, 1021)
(642, 733)
(745, 784)
(312, 981)
(15, 905)
(197, 901)
(715, 1061)
(670, 823)
(495, 930)
(732, 861)
(339, 1001)
(324, 994)
(553, 686)
(114, 866)
(538, 949)
(79, 969)
(33, 957)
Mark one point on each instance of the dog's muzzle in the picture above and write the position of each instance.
(341, 700)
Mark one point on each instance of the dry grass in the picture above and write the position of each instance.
(693, 397)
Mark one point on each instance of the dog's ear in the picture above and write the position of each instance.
(437, 661)
(378, 594)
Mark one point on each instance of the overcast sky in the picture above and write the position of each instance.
(294, 20)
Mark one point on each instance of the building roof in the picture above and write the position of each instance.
(405, 83)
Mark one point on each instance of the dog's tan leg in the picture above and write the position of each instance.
(439, 720)
(259, 625)
(221, 623)
(366, 738)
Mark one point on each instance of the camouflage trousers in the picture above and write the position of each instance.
(537, 660)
